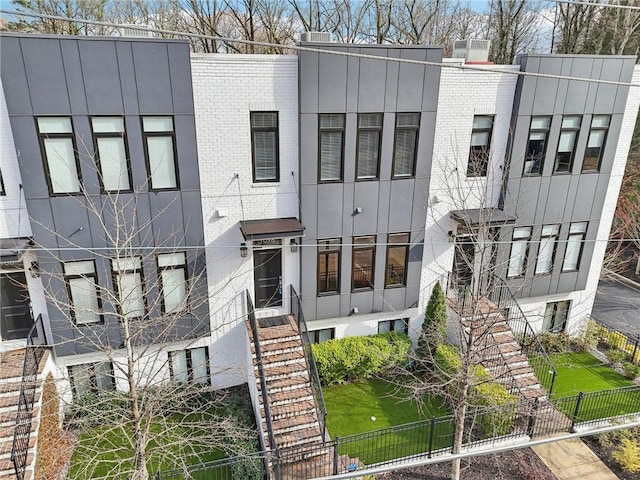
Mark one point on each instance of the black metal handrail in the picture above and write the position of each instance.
(321, 408)
(34, 351)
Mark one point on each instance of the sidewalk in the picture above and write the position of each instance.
(573, 460)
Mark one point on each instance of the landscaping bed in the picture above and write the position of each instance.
(605, 453)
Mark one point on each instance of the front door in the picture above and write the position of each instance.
(463, 262)
(15, 316)
(268, 277)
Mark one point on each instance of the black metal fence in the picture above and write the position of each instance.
(34, 351)
(613, 339)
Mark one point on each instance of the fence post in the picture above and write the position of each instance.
(532, 417)
(431, 431)
(574, 420)
(335, 456)
(635, 350)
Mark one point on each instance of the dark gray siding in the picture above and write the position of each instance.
(84, 77)
(337, 84)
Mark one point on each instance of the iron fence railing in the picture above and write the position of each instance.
(34, 351)
(611, 338)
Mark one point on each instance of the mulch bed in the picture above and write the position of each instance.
(604, 453)
(521, 464)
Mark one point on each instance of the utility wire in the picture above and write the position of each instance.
(595, 4)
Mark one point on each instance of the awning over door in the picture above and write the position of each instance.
(271, 228)
(11, 249)
(478, 217)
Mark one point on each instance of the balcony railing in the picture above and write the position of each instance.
(362, 277)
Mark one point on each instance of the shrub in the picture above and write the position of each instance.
(497, 400)
(434, 327)
(627, 455)
(554, 342)
(356, 358)
(589, 337)
(631, 371)
(616, 356)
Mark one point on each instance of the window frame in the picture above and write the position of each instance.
(114, 278)
(332, 249)
(582, 237)
(93, 276)
(485, 154)
(127, 159)
(397, 246)
(414, 157)
(189, 364)
(564, 129)
(360, 248)
(93, 379)
(147, 159)
(525, 254)
(314, 335)
(161, 270)
(549, 320)
(42, 137)
(378, 130)
(325, 130)
(3, 192)
(553, 236)
(543, 155)
(593, 129)
(275, 130)
(392, 325)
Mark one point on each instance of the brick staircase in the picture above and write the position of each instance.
(11, 364)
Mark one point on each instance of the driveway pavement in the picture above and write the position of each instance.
(618, 306)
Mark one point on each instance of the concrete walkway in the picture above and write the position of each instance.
(573, 460)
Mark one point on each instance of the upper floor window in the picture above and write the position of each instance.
(59, 153)
(264, 146)
(400, 325)
(547, 250)
(111, 153)
(2, 190)
(91, 378)
(190, 366)
(363, 261)
(519, 251)
(329, 265)
(406, 144)
(319, 336)
(173, 281)
(127, 276)
(575, 244)
(595, 143)
(536, 145)
(82, 286)
(159, 147)
(397, 256)
(480, 146)
(555, 316)
(331, 144)
(567, 143)
(368, 148)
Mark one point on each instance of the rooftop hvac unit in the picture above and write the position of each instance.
(472, 50)
(138, 31)
(317, 37)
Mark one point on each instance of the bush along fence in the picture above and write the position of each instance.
(425, 439)
(611, 339)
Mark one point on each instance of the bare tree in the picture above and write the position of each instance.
(512, 28)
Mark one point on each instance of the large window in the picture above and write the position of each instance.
(406, 144)
(329, 265)
(91, 378)
(547, 250)
(397, 255)
(400, 325)
(81, 280)
(111, 152)
(595, 143)
(519, 251)
(369, 138)
(575, 243)
(173, 278)
(190, 366)
(59, 153)
(331, 144)
(480, 146)
(319, 336)
(159, 143)
(264, 146)
(363, 258)
(536, 145)
(127, 276)
(567, 143)
(555, 316)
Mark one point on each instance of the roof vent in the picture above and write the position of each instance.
(135, 31)
(317, 37)
(472, 50)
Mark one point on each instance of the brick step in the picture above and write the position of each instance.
(282, 358)
(278, 347)
(289, 410)
(298, 437)
(28, 475)
(294, 423)
(279, 371)
(9, 401)
(6, 389)
(292, 337)
(500, 327)
(512, 361)
(8, 430)
(531, 393)
(286, 383)
(5, 447)
(289, 396)
(278, 331)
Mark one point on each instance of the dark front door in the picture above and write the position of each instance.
(268, 277)
(463, 262)
(15, 315)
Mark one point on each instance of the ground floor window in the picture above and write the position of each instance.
(319, 336)
(91, 378)
(555, 316)
(398, 325)
(190, 366)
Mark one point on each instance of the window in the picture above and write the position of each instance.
(536, 145)
(173, 280)
(91, 378)
(397, 255)
(567, 143)
(111, 153)
(555, 316)
(2, 190)
(331, 144)
(547, 250)
(363, 262)
(329, 266)
(480, 146)
(319, 336)
(519, 251)
(577, 232)
(190, 366)
(406, 144)
(160, 152)
(264, 146)
(595, 143)
(82, 289)
(59, 153)
(128, 283)
(399, 325)
(368, 148)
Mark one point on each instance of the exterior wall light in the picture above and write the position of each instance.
(294, 245)
(243, 250)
